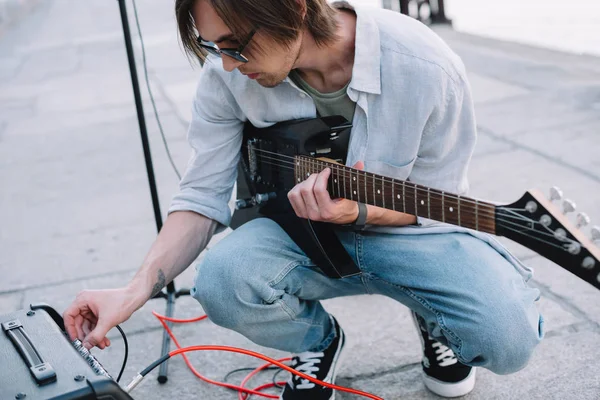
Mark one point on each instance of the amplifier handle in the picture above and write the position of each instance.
(41, 371)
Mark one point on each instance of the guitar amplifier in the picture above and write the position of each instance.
(38, 361)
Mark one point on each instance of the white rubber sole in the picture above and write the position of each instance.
(445, 389)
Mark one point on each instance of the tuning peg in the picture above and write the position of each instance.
(595, 233)
(582, 219)
(569, 206)
(555, 193)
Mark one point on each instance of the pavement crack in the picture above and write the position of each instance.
(564, 302)
(576, 327)
(71, 280)
(378, 374)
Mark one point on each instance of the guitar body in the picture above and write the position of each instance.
(326, 137)
(262, 185)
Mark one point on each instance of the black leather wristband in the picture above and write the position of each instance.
(361, 221)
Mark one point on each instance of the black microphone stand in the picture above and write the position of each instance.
(171, 293)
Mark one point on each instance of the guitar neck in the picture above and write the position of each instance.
(401, 196)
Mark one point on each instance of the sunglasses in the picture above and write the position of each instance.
(236, 54)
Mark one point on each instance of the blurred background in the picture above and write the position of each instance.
(76, 212)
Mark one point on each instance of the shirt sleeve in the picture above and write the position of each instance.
(448, 141)
(215, 135)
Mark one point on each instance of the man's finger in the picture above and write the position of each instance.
(322, 196)
(69, 319)
(359, 165)
(79, 327)
(97, 336)
(297, 203)
(308, 196)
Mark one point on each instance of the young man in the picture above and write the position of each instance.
(408, 97)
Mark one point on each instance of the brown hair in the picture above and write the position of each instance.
(281, 20)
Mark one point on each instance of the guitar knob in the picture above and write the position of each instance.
(569, 206)
(555, 193)
(582, 219)
(595, 233)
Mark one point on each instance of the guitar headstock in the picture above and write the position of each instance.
(536, 223)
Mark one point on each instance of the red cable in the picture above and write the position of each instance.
(195, 372)
(270, 361)
(244, 396)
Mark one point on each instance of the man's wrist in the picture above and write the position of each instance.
(361, 219)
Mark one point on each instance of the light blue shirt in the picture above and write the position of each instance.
(414, 118)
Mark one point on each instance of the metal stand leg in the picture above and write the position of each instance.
(171, 293)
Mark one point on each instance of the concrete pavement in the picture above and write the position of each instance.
(76, 212)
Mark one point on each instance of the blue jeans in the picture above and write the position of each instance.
(257, 282)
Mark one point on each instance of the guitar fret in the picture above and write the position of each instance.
(344, 175)
(339, 193)
(458, 206)
(365, 179)
(374, 196)
(476, 215)
(443, 208)
(404, 196)
(393, 197)
(357, 180)
(416, 206)
(428, 204)
(383, 191)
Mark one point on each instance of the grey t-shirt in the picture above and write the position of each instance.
(335, 103)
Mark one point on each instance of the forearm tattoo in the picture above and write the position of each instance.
(159, 284)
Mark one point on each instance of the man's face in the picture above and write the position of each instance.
(269, 67)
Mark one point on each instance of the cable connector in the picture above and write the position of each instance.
(136, 381)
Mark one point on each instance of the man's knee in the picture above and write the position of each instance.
(505, 345)
(225, 285)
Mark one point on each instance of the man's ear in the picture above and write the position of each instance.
(302, 5)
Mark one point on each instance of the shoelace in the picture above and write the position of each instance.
(305, 362)
(445, 356)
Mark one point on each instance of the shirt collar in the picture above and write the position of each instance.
(366, 74)
(366, 71)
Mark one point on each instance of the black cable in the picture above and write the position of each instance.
(275, 378)
(126, 353)
(155, 364)
(245, 369)
(162, 134)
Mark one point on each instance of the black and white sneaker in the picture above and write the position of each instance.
(444, 375)
(320, 365)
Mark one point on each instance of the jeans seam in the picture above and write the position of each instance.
(286, 270)
(274, 299)
(359, 258)
(290, 314)
(439, 316)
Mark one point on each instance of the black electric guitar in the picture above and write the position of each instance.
(275, 159)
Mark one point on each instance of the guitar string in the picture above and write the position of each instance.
(513, 213)
(346, 173)
(502, 222)
(499, 216)
(564, 240)
(345, 169)
(483, 206)
(539, 240)
(468, 213)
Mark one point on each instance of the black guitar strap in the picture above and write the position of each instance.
(318, 240)
(320, 243)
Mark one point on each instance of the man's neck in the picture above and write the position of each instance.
(329, 68)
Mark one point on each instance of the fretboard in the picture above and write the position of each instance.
(399, 195)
